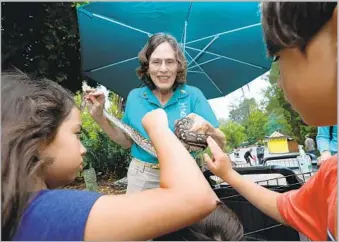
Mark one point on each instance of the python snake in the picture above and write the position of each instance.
(193, 141)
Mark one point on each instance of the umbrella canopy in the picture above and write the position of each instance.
(222, 42)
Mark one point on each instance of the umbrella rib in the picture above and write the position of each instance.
(226, 32)
(215, 85)
(196, 72)
(203, 63)
(203, 50)
(121, 24)
(228, 58)
(110, 65)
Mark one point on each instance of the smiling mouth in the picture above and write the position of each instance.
(163, 79)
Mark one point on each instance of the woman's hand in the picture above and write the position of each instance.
(95, 101)
(201, 125)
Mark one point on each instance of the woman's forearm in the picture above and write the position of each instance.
(114, 133)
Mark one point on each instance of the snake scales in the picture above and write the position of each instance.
(193, 141)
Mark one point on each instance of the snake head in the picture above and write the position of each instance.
(193, 141)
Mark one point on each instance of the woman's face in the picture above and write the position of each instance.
(163, 67)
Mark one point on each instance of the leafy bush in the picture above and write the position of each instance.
(102, 153)
(105, 156)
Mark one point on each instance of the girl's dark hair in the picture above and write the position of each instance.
(32, 111)
(220, 225)
(293, 24)
(146, 52)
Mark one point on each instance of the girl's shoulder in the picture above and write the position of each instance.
(59, 214)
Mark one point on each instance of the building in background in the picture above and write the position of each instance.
(278, 144)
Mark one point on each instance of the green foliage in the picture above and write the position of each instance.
(102, 153)
(240, 113)
(234, 133)
(274, 73)
(274, 114)
(42, 39)
(255, 126)
(251, 119)
(106, 156)
(116, 108)
(90, 179)
(78, 4)
(277, 122)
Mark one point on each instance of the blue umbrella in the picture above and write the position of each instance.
(222, 42)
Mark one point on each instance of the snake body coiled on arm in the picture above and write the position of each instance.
(193, 141)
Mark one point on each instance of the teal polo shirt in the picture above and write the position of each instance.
(185, 100)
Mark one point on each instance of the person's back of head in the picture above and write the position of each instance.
(220, 225)
(32, 111)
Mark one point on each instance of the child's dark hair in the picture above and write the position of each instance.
(220, 225)
(293, 24)
(32, 111)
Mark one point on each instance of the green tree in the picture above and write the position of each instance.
(277, 122)
(102, 153)
(234, 133)
(255, 124)
(42, 39)
(241, 111)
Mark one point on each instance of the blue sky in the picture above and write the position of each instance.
(221, 106)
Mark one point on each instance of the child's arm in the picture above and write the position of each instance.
(308, 209)
(183, 198)
(262, 198)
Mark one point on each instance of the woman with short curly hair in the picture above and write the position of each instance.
(163, 71)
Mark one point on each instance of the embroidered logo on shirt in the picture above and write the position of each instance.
(182, 91)
(183, 110)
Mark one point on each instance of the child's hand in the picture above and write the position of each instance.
(155, 120)
(220, 164)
